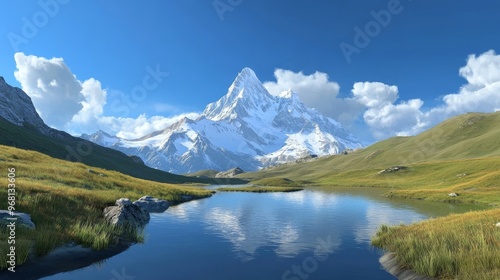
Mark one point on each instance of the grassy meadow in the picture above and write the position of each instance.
(460, 155)
(66, 201)
(465, 246)
(266, 185)
(259, 189)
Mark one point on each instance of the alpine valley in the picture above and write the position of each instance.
(247, 128)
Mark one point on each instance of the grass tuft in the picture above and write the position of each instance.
(461, 246)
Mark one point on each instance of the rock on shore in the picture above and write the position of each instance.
(152, 205)
(125, 213)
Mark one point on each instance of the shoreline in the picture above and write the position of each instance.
(72, 256)
(62, 259)
(391, 265)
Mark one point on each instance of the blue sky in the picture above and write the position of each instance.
(204, 44)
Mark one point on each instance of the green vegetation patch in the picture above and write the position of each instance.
(464, 246)
(267, 185)
(276, 182)
(66, 201)
(259, 189)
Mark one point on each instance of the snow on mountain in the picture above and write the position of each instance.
(247, 127)
(102, 138)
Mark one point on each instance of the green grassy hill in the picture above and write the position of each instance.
(204, 173)
(461, 155)
(66, 200)
(79, 150)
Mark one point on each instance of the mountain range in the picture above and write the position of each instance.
(22, 127)
(247, 128)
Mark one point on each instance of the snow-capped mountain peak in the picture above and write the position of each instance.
(245, 94)
(288, 94)
(246, 78)
(102, 138)
(247, 127)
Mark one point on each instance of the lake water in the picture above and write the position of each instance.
(258, 236)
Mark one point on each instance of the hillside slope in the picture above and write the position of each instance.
(79, 150)
(22, 127)
(459, 155)
(66, 200)
(467, 136)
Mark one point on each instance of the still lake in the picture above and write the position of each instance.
(300, 235)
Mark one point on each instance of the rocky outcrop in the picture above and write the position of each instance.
(125, 213)
(17, 108)
(152, 205)
(18, 218)
(230, 173)
(392, 169)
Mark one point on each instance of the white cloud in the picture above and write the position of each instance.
(316, 91)
(92, 106)
(130, 128)
(482, 70)
(66, 103)
(374, 94)
(402, 119)
(481, 94)
(309, 87)
(54, 90)
(383, 116)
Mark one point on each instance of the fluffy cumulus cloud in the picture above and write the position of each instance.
(383, 116)
(316, 91)
(92, 106)
(378, 105)
(54, 90)
(482, 70)
(66, 103)
(375, 94)
(480, 94)
(133, 128)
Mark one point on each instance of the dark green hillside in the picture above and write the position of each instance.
(79, 150)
